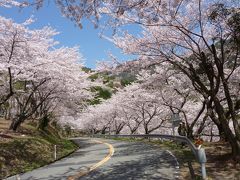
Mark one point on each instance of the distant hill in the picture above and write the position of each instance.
(119, 77)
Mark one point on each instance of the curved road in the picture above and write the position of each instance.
(129, 161)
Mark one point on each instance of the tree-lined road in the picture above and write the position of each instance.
(130, 160)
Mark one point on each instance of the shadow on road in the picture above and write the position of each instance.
(135, 161)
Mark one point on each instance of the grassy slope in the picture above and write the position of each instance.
(29, 148)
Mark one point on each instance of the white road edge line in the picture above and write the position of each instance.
(177, 167)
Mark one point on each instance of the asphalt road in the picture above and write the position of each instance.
(130, 161)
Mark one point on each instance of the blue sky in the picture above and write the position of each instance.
(92, 47)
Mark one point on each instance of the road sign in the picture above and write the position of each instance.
(175, 118)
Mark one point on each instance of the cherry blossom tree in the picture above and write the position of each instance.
(10, 3)
(204, 47)
(98, 118)
(132, 120)
(133, 107)
(35, 75)
(178, 94)
(200, 38)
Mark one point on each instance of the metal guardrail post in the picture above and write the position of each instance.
(202, 160)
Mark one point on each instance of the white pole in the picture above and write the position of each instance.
(55, 152)
(202, 160)
(203, 169)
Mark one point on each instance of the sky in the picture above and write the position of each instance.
(92, 47)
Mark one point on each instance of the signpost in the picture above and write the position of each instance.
(175, 119)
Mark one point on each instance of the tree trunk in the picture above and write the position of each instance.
(222, 135)
(146, 130)
(211, 138)
(190, 133)
(7, 114)
(133, 130)
(15, 124)
(235, 144)
(103, 131)
(119, 128)
(218, 123)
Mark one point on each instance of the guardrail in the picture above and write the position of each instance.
(198, 152)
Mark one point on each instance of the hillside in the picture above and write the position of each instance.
(109, 82)
(29, 148)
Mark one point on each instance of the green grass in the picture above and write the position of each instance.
(34, 150)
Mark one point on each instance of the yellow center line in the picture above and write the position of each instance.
(83, 173)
